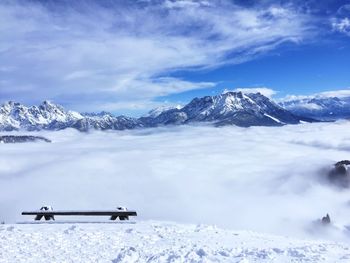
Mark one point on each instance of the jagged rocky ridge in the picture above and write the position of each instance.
(323, 108)
(15, 116)
(231, 108)
(49, 116)
(340, 174)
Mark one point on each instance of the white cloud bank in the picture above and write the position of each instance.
(260, 178)
(343, 93)
(89, 54)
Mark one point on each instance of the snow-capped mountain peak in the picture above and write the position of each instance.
(14, 116)
(232, 107)
(228, 108)
(233, 101)
(319, 107)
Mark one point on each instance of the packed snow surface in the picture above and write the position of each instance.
(264, 179)
(157, 242)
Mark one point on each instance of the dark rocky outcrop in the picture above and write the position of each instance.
(340, 174)
(21, 139)
(326, 220)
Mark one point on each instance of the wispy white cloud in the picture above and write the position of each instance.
(341, 21)
(336, 93)
(85, 52)
(185, 3)
(342, 25)
(325, 94)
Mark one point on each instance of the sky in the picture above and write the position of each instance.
(131, 56)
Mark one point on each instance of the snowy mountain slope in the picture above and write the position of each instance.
(228, 108)
(14, 116)
(49, 116)
(320, 107)
(157, 111)
(106, 122)
(150, 241)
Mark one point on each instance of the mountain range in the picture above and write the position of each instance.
(319, 107)
(229, 108)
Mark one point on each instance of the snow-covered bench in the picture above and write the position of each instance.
(49, 214)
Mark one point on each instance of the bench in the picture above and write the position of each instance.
(49, 214)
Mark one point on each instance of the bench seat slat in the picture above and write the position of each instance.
(77, 213)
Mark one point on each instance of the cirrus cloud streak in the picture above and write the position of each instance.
(89, 53)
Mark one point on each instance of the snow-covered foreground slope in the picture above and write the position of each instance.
(264, 179)
(157, 242)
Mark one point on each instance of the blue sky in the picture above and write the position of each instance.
(131, 56)
(301, 70)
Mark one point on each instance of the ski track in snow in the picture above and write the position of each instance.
(152, 241)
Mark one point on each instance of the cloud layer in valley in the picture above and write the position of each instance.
(260, 178)
(94, 55)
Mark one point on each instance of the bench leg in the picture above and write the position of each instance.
(114, 217)
(124, 218)
(38, 217)
(49, 217)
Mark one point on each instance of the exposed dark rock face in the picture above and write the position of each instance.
(106, 122)
(340, 174)
(326, 220)
(21, 139)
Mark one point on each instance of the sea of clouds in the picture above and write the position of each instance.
(267, 179)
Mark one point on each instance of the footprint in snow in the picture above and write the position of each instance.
(129, 230)
(10, 228)
(70, 229)
(201, 252)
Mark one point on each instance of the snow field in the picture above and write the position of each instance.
(152, 241)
